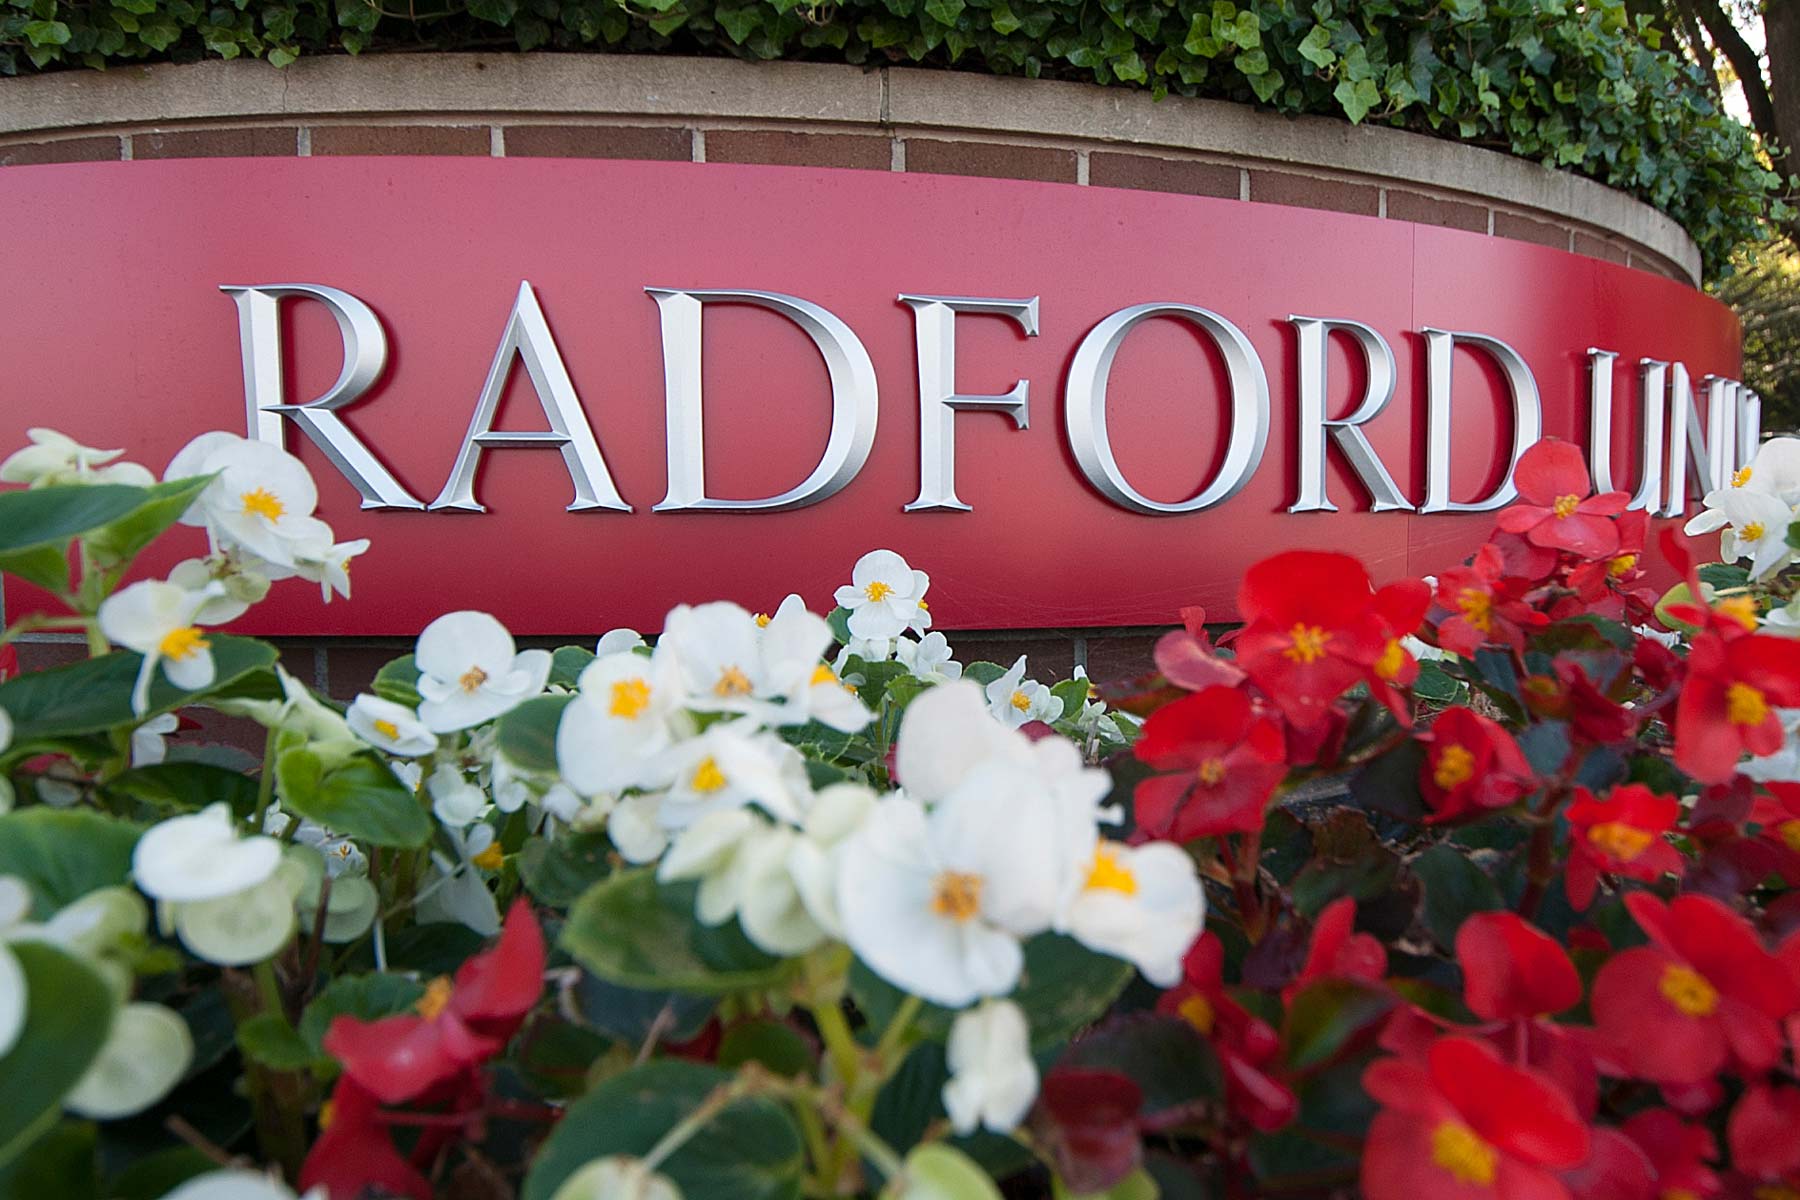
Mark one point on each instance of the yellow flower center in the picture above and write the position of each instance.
(1741, 609)
(1392, 661)
(823, 674)
(437, 995)
(732, 682)
(1677, 1194)
(1745, 705)
(1621, 565)
(1197, 1011)
(1477, 608)
(1464, 1153)
(762, 620)
(924, 607)
(707, 776)
(1308, 644)
(1752, 532)
(630, 697)
(1211, 772)
(386, 728)
(261, 502)
(327, 1110)
(1455, 766)
(1688, 991)
(1774, 1191)
(182, 643)
(1565, 505)
(1623, 842)
(878, 591)
(491, 859)
(1789, 832)
(1740, 477)
(956, 895)
(1020, 701)
(1109, 872)
(472, 679)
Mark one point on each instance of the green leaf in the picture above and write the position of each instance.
(399, 681)
(1455, 889)
(1327, 1016)
(365, 997)
(68, 1013)
(1165, 1056)
(1357, 98)
(776, 1045)
(119, 541)
(751, 1150)
(935, 1171)
(65, 853)
(1435, 685)
(1064, 988)
(983, 673)
(567, 664)
(61, 1163)
(527, 734)
(94, 695)
(45, 566)
(270, 1040)
(634, 932)
(359, 798)
(50, 516)
(1316, 49)
(176, 787)
(558, 872)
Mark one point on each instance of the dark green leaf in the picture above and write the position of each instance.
(50, 516)
(1165, 1056)
(360, 798)
(567, 664)
(186, 786)
(774, 1044)
(634, 932)
(398, 681)
(268, 1039)
(558, 872)
(1328, 1016)
(1455, 888)
(527, 734)
(365, 997)
(65, 853)
(119, 541)
(61, 1164)
(68, 1012)
(94, 695)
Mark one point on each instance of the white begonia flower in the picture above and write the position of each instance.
(14, 1000)
(627, 711)
(993, 1079)
(562, 802)
(814, 859)
(454, 800)
(1774, 471)
(1143, 904)
(870, 650)
(146, 1052)
(471, 672)
(459, 894)
(322, 561)
(243, 580)
(242, 928)
(6, 787)
(350, 903)
(618, 641)
(1015, 700)
(236, 1184)
(635, 826)
(161, 622)
(390, 727)
(928, 659)
(1783, 766)
(262, 499)
(54, 458)
(885, 596)
(1759, 526)
(615, 1177)
(147, 748)
(729, 765)
(792, 646)
(199, 856)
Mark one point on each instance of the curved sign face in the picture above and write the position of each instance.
(577, 393)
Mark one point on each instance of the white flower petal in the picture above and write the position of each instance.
(145, 1055)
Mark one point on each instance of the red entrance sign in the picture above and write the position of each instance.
(778, 304)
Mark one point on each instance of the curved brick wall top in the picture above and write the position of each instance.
(889, 119)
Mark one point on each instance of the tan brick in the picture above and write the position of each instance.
(82, 149)
(1431, 210)
(1148, 173)
(863, 151)
(599, 141)
(262, 141)
(992, 160)
(1594, 247)
(1524, 229)
(1656, 264)
(401, 139)
(41, 656)
(1312, 191)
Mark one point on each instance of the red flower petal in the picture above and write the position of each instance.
(498, 987)
(1512, 970)
(1517, 1110)
(395, 1058)
(1762, 1131)
(354, 1153)
(1550, 470)
(1645, 1030)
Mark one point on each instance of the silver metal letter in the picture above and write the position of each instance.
(265, 390)
(527, 335)
(1315, 338)
(1084, 407)
(1648, 494)
(934, 329)
(855, 402)
(1749, 414)
(1711, 455)
(1440, 350)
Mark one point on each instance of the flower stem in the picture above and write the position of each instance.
(265, 785)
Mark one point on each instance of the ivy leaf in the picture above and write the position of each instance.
(1316, 49)
(1357, 98)
(945, 12)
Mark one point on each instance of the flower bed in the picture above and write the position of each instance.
(1464, 887)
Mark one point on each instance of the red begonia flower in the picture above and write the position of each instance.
(1620, 835)
(1558, 513)
(1513, 971)
(1310, 630)
(1484, 605)
(1399, 609)
(456, 1026)
(1778, 818)
(1764, 1131)
(354, 1153)
(1727, 706)
(1677, 1150)
(1338, 952)
(1616, 1168)
(1228, 761)
(1465, 1125)
(1186, 659)
(1245, 1044)
(1705, 991)
(1089, 1120)
(1471, 765)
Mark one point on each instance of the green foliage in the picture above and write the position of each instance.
(359, 797)
(68, 1012)
(633, 932)
(1764, 290)
(1575, 86)
(64, 854)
